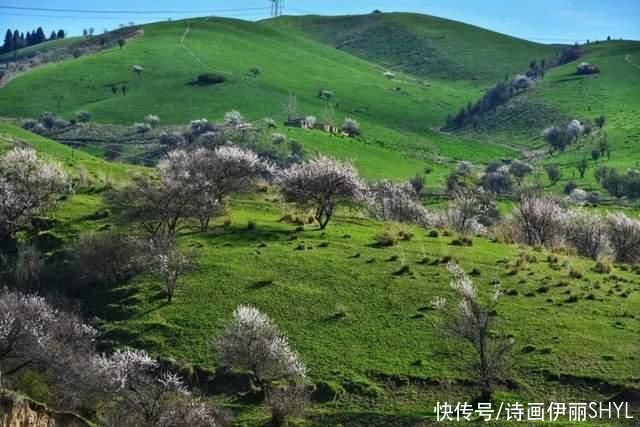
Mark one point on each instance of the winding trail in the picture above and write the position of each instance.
(196, 57)
(627, 58)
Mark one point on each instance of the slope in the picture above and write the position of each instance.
(421, 45)
(345, 303)
(563, 95)
(173, 54)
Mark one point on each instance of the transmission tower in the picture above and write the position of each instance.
(276, 7)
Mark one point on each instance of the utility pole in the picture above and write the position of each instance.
(276, 7)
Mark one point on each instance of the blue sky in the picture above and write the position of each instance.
(546, 21)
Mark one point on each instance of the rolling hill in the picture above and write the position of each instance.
(421, 45)
(344, 319)
(360, 315)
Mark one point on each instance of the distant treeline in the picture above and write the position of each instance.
(14, 40)
(507, 89)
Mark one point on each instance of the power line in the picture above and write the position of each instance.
(43, 9)
(115, 18)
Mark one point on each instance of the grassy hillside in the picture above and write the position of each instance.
(421, 45)
(398, 141)
(73, 160)
(344, 319)
(289, 64)
(563, 95)
(29, 51)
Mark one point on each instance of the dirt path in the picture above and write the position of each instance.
(196, 57)
(627, 58)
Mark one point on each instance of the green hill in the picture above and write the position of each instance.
(563, 95)
(174, 54)
(396, 115)
(345, 319)
(421, 45)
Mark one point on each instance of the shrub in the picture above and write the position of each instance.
(152, 120)
(83, 116)
(351, 127)
(624, 235)
(587, 233)
(211, 79)
(433, 233)
(255, 71)
(385, 239)
(569, 187)
(603, 267)
(585, 68)
(108, 257)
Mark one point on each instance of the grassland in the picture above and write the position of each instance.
(359, 315)
(174, 54)
(344, 319)
(563, 95)
(421, 45)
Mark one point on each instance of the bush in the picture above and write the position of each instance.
(585, 68)
(108, 257)
(569, 187)
(351, 127)
(385, 240)
(83, 116)
(211, 79)
(603, 267)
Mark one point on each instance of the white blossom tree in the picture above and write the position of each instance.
(587, 233)
(36, 335)
(171, 263)
(388, 201)
(473, 322)
(28, 187)
(624, 236)
(253, 342)
(142, 390)
(539, 218)
(233, 119)
(462, 215)
(321, 184)
(207, 177)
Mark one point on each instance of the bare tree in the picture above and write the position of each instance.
(473, 321)
(158, 206)
(322, 183)
(108, 257)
